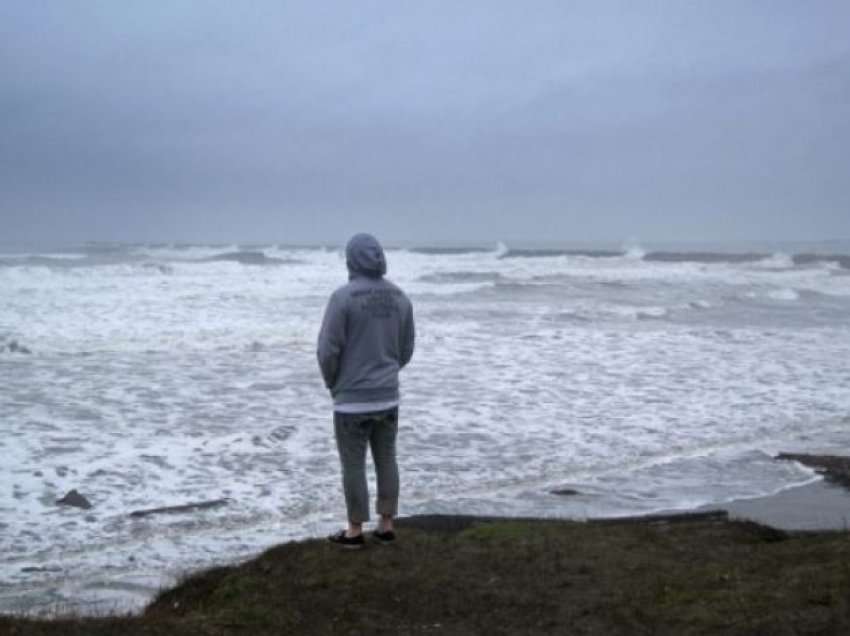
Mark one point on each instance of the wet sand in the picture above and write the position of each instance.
(816, 506)
(820, 505)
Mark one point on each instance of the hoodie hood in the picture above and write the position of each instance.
(364, 256)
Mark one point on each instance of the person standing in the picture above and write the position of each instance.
(367, 337)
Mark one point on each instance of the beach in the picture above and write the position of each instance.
(820, 505)
(775, 564)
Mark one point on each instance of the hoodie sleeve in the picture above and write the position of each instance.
(408, 337)
(331, 340)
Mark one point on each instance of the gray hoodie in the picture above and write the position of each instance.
(367, 333)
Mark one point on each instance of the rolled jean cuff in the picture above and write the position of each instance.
(387, 507)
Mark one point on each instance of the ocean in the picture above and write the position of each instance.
(146, 375)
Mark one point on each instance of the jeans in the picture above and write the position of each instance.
(353, 432)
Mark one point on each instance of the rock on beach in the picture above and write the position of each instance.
(75, 499)
(15, 347)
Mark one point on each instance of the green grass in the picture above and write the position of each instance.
(515, 577)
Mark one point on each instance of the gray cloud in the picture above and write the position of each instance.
(425, 121)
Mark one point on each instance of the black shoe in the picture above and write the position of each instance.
(384, 537)
(350, 543)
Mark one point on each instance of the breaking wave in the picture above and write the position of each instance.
(461, 277)
(705, 257)
(249, 258)
(97, 254)
(842, 260)
(548, 253)
(444, 251)
(785, 293)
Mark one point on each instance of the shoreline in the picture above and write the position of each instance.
(814, 507)
(817, 507)
(697, 572)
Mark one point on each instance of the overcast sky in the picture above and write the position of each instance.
(423, 121)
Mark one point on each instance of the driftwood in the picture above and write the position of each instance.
(189, 507)
(564, 492)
